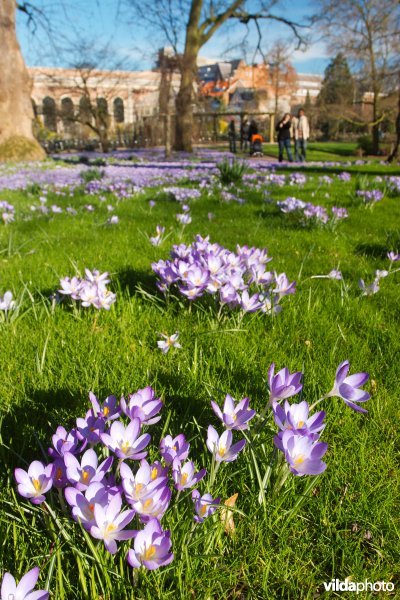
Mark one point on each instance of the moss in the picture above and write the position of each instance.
(20, 148)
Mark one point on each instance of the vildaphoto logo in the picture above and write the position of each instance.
(358, 586)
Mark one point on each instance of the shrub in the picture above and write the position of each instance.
(231, 171)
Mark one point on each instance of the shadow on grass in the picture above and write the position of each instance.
(27, 428)
(129, 279)
(373, 250)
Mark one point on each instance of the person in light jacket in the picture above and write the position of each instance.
(302, 134)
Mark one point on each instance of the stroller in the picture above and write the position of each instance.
(256, 145)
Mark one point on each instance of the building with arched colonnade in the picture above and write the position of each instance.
(127, 97)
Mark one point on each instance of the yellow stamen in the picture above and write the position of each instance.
(150, 552)
(147, 503)
(138, 487)
(36, 484)
(203, 510)
(300, 424)
(110, 528)
(106, 411)
(222, 451)
(85, 476)
(154, 473)
(184, 478)
(91, 508)
(59, 473)
(299, 460)
(125, 447)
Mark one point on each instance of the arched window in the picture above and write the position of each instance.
(49, 114)
(67, 114)
(119, 116)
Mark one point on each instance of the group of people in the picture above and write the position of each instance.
(247, 133)
(293, 128)
(288, 128)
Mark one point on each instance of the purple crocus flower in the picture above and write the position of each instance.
(295, 417)
(108, 411)
(124, 441)
(24, 590)
(83, 503)
(204, 506)
(6, 302)
(110, 523)
(250, 303)
(90, 428)
(221, 447)
(282, 285)
(60, 474)
(172, 448)
(284, 384)
(151, 547)
(347, 388)
(147, 479)
(82, 474)
(393, 256)
(143, 405)
(154, 505)
(64, 442)
(234, 417)
(184, 475)
(303, 454)
(35, 482)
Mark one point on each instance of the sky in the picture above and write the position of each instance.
(133, 45)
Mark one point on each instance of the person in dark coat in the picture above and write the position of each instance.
(244, 135)
(283, 129)
(232, 136)
(253, 130)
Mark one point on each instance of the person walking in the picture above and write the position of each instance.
(253, 130)
(232, 136)
(283, 128)
(244, 135)
(302, 134)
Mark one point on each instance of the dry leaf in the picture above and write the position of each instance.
(227, 515)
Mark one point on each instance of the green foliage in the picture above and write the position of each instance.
(336, 95)
(92, 174)
(231, 171)
(365, 144)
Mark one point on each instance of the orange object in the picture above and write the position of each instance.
(256, 138)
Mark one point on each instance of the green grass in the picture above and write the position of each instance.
(51, 356)
(322, 151)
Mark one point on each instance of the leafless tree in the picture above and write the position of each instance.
(282, 75)
(187, 25)
(368, 34)
(97, 79)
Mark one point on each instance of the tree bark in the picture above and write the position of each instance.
(396, 147)
(184, 99)
(16, 112)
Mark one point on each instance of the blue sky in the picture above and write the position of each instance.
(133, 44)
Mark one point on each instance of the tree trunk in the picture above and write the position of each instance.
(184, 101)
(188, 67)
(16, 113)
(375, 126)
(395, 150)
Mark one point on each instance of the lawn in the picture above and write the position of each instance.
(324, 151)
(342, 523)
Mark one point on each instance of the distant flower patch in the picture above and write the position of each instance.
(90, 290)
(236, 279)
